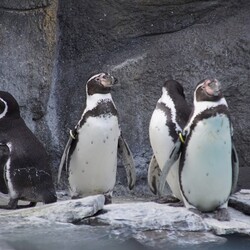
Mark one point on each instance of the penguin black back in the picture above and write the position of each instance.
(26, 169)
(167, 121)
(176, 92)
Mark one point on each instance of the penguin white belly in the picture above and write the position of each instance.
(162, 145)
(206, 176)
(93, 164)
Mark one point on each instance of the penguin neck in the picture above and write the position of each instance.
(203, 105)
(200, 107)
(93, 100)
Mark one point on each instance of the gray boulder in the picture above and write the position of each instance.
(67, 211)
(151, 224)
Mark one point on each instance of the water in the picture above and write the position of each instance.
(70, 237)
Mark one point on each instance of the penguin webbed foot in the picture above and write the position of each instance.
(108, 199)
(6, 207)
(198, 212)
(49, 197)
(13, 204)
(222, 214)
(166, 199)
(176, 204)
(31, 204)
(76, 196)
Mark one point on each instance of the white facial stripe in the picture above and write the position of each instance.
(91, 78)
(5, 109)
(197, 88)
(165, 98)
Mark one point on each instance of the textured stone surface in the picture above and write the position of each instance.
(151, 216)
(241, 201)
(68, 211)
(151, 224)
(142, 43)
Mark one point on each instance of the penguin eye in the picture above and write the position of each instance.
(203, 88)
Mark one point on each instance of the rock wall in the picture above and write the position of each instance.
(28, 52)
(142, 43)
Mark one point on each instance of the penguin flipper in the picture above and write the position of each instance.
(128, 161)
(64, 157)
(235, 169)
(154, 173)
(173, 157)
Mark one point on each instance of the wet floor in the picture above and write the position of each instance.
(65, 237)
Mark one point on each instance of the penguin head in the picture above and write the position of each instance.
(100, 84)
(8, 105)
(208, 90)
(173, 87)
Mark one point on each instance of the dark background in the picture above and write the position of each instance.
(50, 48)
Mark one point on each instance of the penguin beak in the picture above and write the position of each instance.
(112, 80)
(114, 83)
(115, 80)
(108, 80)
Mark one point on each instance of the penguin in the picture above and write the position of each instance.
(90, 154)
(209, 166)
(24, 167)
(167, 121)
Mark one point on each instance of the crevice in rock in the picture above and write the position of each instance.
(24, 9)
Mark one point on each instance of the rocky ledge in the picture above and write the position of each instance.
(148, 222)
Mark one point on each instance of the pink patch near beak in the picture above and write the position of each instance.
(212, 87)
